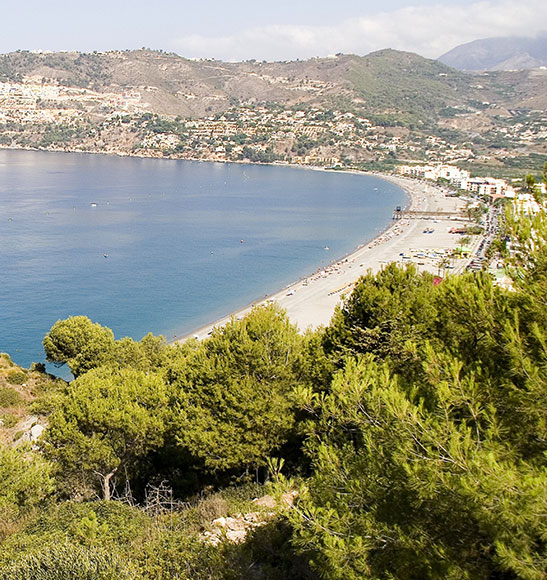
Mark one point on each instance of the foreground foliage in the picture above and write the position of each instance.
(234, 392)
(104, 422)
(421, 488)
(26, 483)
(66, 562)
(109, 540)
(433, 467)
(413, 430)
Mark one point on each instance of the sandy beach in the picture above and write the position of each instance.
(423, 241)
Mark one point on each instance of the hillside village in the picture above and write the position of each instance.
(311, 113)
(34, 114)
(68, 118)
(318, 112)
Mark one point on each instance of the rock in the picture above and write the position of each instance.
(266, 501)
(235, 524)
(235, 528)
(288, 498)
(36, 431)
(211, 538)
(236, 536)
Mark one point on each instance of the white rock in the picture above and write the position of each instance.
(36, 431)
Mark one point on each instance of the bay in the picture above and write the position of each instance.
(164, 246)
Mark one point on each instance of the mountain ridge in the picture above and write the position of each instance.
(499, 53)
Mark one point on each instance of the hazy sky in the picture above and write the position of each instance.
(273, 30)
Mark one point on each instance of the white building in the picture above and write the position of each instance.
(450, 172)
(484, 185)
(526, 204)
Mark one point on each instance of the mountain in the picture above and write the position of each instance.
(386, 82)
(502, 53)
(175, 85)
(388, 106)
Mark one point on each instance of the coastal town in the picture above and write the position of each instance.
(40, 113)
(43, 113)
(455, 200)
(452, 224)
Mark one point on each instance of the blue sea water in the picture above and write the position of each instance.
(163, 246)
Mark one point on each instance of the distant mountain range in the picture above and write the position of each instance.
(502, 53)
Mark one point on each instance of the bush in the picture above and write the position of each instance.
(474, 230)
(211, 508)
(99, 524)
(26, 485)
(8, 421)
(9, 397)
(38, 367)
(170, 554)
(67, 562)
(17, 377)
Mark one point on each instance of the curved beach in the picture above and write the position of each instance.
(424, 241)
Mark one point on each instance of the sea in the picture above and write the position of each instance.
(165, 246)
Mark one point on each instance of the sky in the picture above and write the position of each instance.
(275, 30)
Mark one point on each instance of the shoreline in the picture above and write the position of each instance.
(310, 301)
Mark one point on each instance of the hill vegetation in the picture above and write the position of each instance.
(20, 389)
(406, 441)
(381, 108)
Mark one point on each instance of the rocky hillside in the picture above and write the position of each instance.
(383, 81)
(22, 398)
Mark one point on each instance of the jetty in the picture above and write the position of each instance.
(400, 213)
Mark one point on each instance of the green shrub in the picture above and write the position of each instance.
(9, 397)
(26, 486)
(9, 421)
(119, 523)
(38, 367)
(17, 377)
(170, 554)
(211, 508)
(474, 230)
(67, 562)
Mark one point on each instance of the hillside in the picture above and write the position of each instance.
(379, 108)
(170, 84)
(502, 53)
(20, 389)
